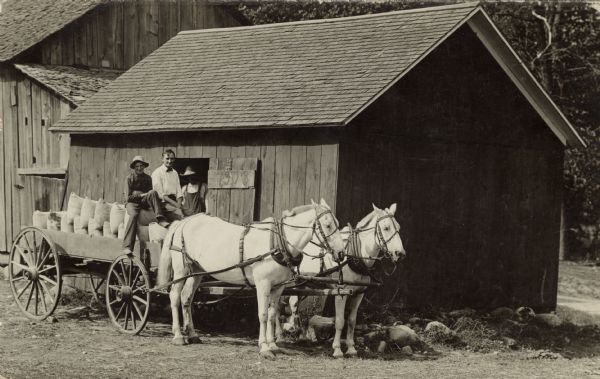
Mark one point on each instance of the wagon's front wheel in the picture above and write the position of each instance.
(127, 296)
(34, 273)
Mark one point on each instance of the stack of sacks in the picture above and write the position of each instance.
(121, 228)
(101, 215)
(73, 210)
(117, 214)
(40, 219)
(88, 208)
(55, 220)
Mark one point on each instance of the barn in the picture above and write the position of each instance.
(428, 108)
(55, 54)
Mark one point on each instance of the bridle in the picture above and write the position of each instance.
(380, 240)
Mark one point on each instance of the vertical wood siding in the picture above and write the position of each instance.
(99, 165)
(120, 34)
(477, 177)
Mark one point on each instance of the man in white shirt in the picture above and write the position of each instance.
(165, 181)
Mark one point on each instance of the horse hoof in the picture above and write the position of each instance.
(337, 353)
(178, 341)
(274, 348)
(267, 354)
(194, 340)
(351, 353)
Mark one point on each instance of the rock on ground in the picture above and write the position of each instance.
(402, 335)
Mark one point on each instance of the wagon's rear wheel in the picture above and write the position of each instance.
(127, 298)
(34, 273)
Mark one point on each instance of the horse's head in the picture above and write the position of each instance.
(326, 228)
(387, 233)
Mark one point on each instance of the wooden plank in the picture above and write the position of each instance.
(298, 175)
(329, 158)
(36, 125)
(106, 16)
(67, 42)
(25, 128)
(56, 49)
(224, 195)
(91, 27)
(116, 22)
(250, 201)
(313, 173)
(64, 138)
(49, 142)
(345, 177)
(3, 214)
(11, 151)
(80, 42)
(42, 171)
(130, 34)
(148, 24)
(267, 181)
(282, 178)
(236, 207)
(187, 15)
(168, 20)
(229, 179)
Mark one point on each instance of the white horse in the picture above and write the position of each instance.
(378, 232)
(211, 244)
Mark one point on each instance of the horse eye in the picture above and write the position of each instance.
(387, 228)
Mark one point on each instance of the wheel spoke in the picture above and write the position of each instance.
(24, 255)
(43, 260)
(137, 274)
(133, 319)
(31, 251)
(120, 310)
(37, 294)
(23, 289)
(43, 297)
(100, 282)
(114, 288)
(126, 316)
(139, 299)
(29, 298)
(130, 274)
(44, 288)
(26, 268)
(123, 271)
(115, 301)
(47, 269)
(18, 278)
(137, 309)
(37, 256)
(44, 277)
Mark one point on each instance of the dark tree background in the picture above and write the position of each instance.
(560, 43)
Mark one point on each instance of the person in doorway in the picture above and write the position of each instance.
(165, 181)
(140, 195)
(194, 194)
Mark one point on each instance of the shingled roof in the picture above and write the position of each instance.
(299, 74)
(23, 23)
(75, 85)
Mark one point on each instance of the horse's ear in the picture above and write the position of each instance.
(324, 203)
(287, 213)
(393, 209)
(312, 202)
(375, 208)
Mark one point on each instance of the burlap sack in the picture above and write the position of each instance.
(40, 219)
(78, 228)
(117, 215)
(88, 208)
(102, 212)
(66, 224)
(74, 206)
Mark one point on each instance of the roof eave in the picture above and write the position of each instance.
(513, 66)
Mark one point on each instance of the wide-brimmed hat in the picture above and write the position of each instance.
(189, 171)
(138, 158)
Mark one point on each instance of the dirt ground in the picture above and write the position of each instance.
(87, 345)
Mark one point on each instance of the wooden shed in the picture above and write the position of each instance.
(54, 54)
(427, 108)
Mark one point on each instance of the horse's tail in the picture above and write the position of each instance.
(165, 269)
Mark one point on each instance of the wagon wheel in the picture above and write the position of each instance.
(97, 287)
(34, 273)
(127, 301)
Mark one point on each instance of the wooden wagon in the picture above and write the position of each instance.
(41, 258)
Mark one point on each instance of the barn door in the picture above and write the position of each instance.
(231, 189)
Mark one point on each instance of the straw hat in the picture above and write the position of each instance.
(188, 171)
(138, 158)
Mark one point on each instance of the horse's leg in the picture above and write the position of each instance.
(278, 329)
(354, 304)
(263, 290)
(175, 296)
(340, 304)
(187, 295)
(273, 318)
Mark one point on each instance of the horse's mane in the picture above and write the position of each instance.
(297, 210)
(365, 221)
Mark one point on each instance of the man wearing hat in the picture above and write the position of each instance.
(140, 195)
(194, 194)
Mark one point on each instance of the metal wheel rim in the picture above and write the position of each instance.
(34, 273)
(129, 314)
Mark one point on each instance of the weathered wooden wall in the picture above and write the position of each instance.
(294, 166)
(27, 111)
(477, 177)
(121, 33)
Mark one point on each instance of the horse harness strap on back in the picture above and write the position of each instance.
(242, 238)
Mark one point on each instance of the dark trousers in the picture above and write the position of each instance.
(151, 202)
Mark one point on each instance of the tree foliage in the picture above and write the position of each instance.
(558, 41)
